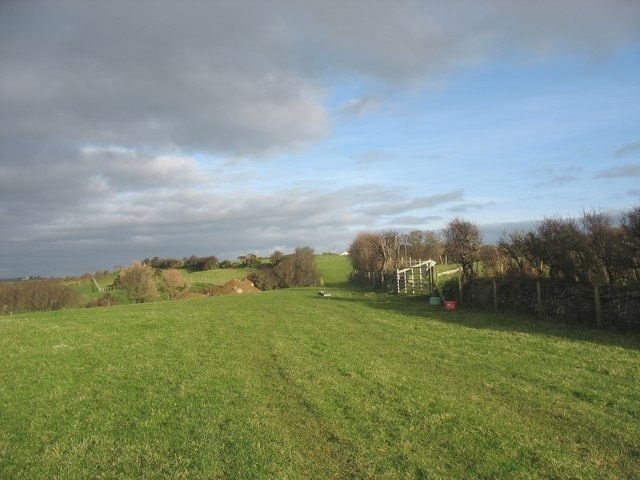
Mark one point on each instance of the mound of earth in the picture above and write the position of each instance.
(235, 286)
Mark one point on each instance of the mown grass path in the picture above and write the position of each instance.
(288, 384)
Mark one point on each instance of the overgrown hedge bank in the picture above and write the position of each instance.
(35, 296)
(604, 306)
(571, 302)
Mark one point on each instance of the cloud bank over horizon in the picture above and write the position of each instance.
(134, 129)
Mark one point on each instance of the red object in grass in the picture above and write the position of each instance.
(450, 305)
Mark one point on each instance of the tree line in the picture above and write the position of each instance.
(385, 251)
(593, 249)
(285, 271)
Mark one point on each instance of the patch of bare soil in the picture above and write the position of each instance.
(235, 287)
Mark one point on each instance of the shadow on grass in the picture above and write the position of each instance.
(418, 306)
(345, 286)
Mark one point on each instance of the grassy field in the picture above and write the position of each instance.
(218, 276)
(335, 270)
(287, 384)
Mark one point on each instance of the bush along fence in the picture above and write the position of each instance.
(599, 306)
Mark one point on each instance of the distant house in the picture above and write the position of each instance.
(344, 254)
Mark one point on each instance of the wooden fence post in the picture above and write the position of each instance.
(596, 295)
(495, 295)
(539, 298)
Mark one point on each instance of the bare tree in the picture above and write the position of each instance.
(561, 245)
(364, 253)
(295, 270)
(174, 283)
(494, 261)
(517, 247)
(631, 228)
(138, 281)
(462, 241)
(276, 257)
(388, 245)
(422, 245)
(298, 269)
(605, 246)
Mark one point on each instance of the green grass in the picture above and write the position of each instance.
(87, 292)
(335, 270)
(287, 384)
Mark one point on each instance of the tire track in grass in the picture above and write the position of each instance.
(308, 437)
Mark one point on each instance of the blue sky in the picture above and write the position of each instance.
(521, 140)
(215, 128)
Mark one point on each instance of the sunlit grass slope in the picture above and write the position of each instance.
(335, 270)
(218, 276)
(287, 384)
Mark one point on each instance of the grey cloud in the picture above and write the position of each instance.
(555, 176)
(182, 221)
(71, 184)
(241, 76)
(563, 179)
(469, 206)
(361, 105)
(400, 205)
(628, 149)
(373, 156)
(629, 170)
(411, 40)
(124, 168)
(186, 76)
(415, 221)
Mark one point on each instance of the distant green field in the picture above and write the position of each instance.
(87, 291)
(288, 384)
(335, 270)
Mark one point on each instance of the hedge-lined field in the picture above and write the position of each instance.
(288, 384)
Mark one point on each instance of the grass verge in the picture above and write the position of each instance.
(287, 384)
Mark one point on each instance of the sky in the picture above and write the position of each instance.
(160, 128)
